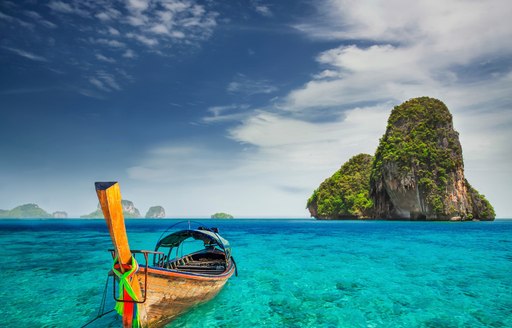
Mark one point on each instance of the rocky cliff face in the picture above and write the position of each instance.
(155, 212)
(129, 211)
(60, 215)
(345, 195)
(418, 170)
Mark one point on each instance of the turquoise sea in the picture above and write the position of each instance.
(292, 273)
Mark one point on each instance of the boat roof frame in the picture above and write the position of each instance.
(208, 236)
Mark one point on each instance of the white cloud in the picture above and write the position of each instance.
(113, 31)
(97, 83)
(6, 17)
(263, 10)
(138, 5)
(137, 21)
(119, 29)
(178, 20)
(226, 113)
(309, 144)
(105, 58)
(103, 16)
(109, 79)
(108, 42)
(151, 42)
(105, 81)
(152, 23)
(108, 14)
(39, 19)
(47, 24)
(66, 8)
(203, 177)
(431, 43)
(178, 35)
(60, 6)
(16, 20)
(26, 54)
(129, 54)
(444, 24)
(243, 85)
(159, 29)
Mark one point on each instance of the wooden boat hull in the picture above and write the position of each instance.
(171, 293)
(172, 287)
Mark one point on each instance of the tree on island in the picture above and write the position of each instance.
(222, 215)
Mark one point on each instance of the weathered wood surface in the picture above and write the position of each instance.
(170, 294)
(109, 196)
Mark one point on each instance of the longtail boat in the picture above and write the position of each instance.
(153, 295)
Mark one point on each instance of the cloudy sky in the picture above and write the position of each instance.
(238, 106)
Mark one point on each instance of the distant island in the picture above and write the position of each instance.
(30, 211)
(222, 215)
(155, 212)
(417, 173)
(33, 211)
(129, 211)
(60, 215)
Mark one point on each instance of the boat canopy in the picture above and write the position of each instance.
(209, 238)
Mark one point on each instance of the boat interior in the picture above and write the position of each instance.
(200, 262)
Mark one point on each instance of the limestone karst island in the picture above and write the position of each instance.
(130, 211)
(417, 173)
(221, 215)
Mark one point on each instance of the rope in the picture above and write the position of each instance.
(102, 306)
(103, 299)
(125, 280)
(236, 267)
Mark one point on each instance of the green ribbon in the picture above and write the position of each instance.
(125, 280)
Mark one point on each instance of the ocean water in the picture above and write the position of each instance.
(292, 273)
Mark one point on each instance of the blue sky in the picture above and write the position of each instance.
(238, 106)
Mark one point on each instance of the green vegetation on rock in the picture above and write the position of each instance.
(481, 207)
(26, 211)
(221, 215)
(345, 194)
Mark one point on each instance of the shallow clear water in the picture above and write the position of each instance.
(292, 273)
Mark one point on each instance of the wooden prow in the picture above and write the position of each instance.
(109, 196)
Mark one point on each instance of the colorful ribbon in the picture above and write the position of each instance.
(125, 289)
